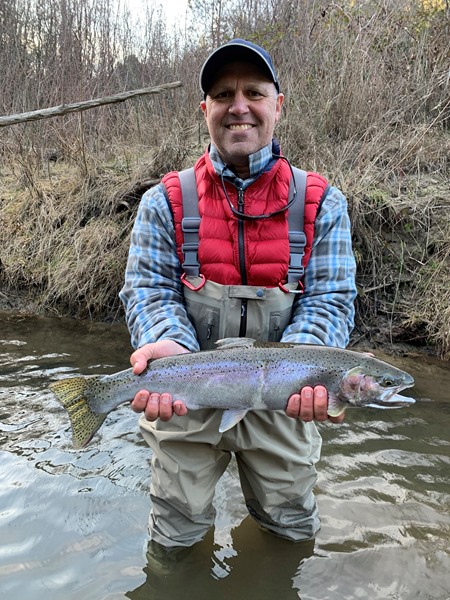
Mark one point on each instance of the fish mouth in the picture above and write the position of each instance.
(392, 399)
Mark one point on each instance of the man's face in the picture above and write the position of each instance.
(241, 110)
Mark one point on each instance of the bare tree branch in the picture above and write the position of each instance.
(64, 109)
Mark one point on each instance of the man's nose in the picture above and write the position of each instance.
(239, 104)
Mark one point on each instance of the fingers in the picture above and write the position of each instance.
(153, 405)
(320, 400)
(157, 406)
(139, 402)
(141, 356)
(311, 404)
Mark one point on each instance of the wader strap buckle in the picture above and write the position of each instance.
(286, 290)
(190, 227)
(297, 243)
(190, 285)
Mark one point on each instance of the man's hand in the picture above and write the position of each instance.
(155, 405)
(311, 404)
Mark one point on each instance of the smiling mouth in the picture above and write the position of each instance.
(242, 127)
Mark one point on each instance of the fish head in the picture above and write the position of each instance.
(375, 385)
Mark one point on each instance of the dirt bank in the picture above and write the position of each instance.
(64, 248)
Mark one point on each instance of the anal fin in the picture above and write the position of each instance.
(231, 417)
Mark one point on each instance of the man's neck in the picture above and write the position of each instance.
(255, 163)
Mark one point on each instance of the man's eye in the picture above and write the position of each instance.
(254, 94)
(220, 95)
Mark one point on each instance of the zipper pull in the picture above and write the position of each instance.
(243, 309)
(240, 200)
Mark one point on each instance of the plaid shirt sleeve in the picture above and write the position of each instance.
(152, 293)
(324, 313)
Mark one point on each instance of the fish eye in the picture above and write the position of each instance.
(388, 382)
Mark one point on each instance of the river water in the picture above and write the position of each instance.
(73, 524)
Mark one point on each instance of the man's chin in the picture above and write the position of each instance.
(238, 152)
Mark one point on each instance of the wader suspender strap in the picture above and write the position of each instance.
(191, 224)
(296, 219)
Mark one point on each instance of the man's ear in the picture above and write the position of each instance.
(280, 99)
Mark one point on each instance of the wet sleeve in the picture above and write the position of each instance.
(152, 294)
(324, 313)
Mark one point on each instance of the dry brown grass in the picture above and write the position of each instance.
(66, 224)
(63, 244)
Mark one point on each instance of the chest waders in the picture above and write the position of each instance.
(219, 311)
(190, 454)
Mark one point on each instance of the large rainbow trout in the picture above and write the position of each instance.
(239, 376)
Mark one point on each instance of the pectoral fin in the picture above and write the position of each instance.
(231, 417)
(335, 406)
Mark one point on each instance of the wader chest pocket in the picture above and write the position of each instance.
(215, 311)
(206, 321)
(278, 321)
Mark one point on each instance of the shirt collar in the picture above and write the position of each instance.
(257, 163)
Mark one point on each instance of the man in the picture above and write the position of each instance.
(244, 187)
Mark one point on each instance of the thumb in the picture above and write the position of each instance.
(138, 366)
(160, 349)
(139, 360)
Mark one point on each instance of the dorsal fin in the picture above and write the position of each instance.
(233, 342)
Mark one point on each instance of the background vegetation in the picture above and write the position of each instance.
(367, 104)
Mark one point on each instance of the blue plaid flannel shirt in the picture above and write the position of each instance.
(153, 292)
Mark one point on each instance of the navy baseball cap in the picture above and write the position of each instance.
(234, 51)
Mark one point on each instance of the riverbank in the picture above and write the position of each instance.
(65, 239)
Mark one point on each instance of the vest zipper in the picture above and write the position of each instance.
(242, 266)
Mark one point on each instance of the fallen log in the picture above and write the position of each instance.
(64, 109)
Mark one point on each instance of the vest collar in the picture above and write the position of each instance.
(259, 162)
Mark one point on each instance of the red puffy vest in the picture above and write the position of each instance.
(261, 246)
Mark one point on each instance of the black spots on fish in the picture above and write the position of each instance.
(71, 394)
(189, 375)
(274, 345)
(99, 389)
(333, 370)
(85, 424)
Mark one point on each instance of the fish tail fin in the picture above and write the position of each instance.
(84, 422)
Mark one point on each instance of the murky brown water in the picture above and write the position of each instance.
(73, 524)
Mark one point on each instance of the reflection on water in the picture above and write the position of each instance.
(73, 524)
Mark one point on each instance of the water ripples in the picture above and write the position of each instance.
(73, 524)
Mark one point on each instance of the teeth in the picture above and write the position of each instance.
(240, 127)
